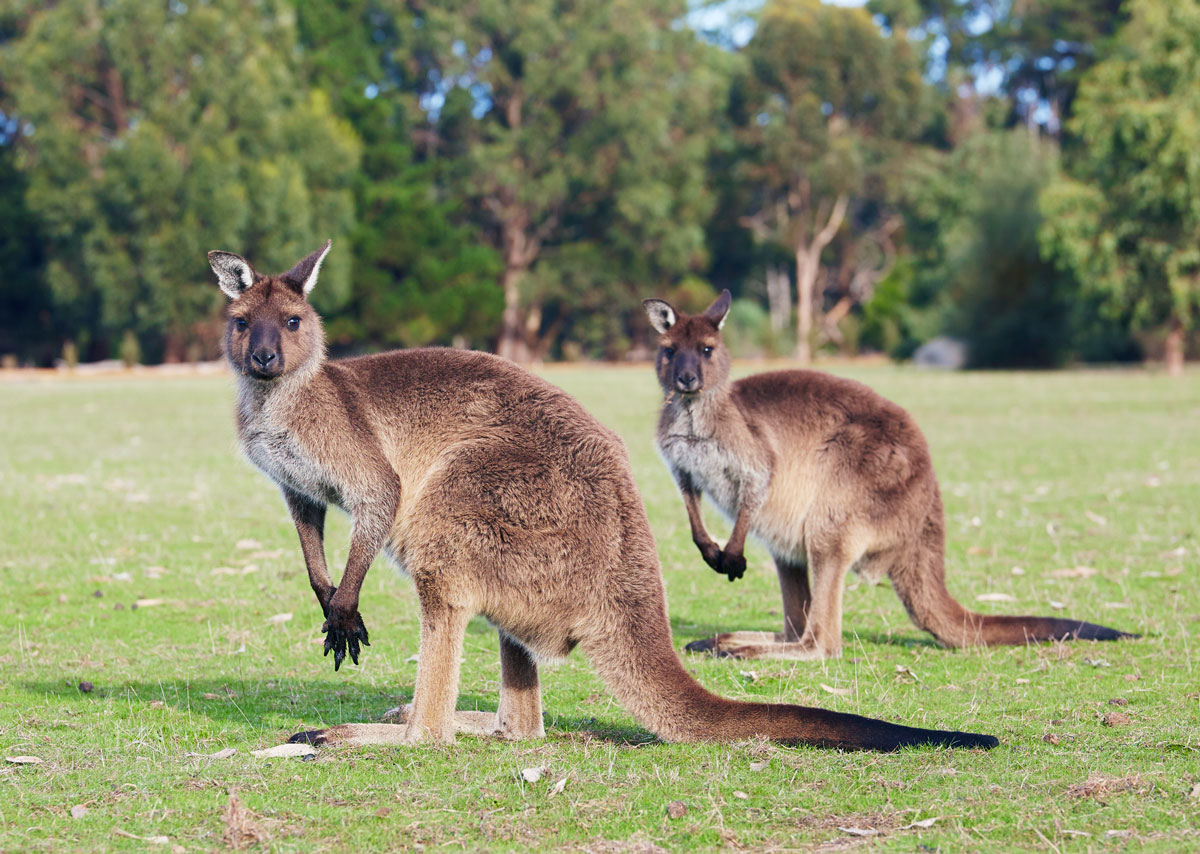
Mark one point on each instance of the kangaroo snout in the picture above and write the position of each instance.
(264, 358)
(687, 381)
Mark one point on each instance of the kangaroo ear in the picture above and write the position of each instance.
(234, 274)
(303, 276)
(662, 316)
(719, 310)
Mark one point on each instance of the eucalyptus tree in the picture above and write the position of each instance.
(1127, 219)
(153, 132)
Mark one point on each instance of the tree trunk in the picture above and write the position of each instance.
(779, 298)
(806, 280)
(1173, 352)
(512, 331)
(808, 264)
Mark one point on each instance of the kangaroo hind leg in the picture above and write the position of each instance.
(520, 712)
(431, 717)
(813, 617)
(797, 600)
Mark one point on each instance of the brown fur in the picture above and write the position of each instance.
(498, 495)
(830, 476)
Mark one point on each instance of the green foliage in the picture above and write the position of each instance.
(159, 131)
(1126, 218)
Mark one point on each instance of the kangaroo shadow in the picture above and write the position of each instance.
(685, 631)
(289, 704)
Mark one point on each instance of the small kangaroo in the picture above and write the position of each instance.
(498, 495)
(830, 477)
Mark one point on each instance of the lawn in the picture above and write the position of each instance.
(130, 491)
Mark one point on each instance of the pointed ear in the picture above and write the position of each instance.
(303, 276)
(719, 310)
(662, 316)
(234, 273)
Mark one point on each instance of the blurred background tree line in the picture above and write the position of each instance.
(1019, 174)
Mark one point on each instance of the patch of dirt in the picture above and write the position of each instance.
(636, 844)
(242, 827)
(1099, 786)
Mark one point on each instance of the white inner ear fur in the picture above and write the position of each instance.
(234, 275)
(662, 316)
(721, 322)
(311, 281)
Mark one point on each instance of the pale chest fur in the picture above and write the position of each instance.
(270, 444)
(694, 442)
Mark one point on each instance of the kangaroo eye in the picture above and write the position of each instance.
(240, 324)
(668, 351)
(708, 351)
(293, 323)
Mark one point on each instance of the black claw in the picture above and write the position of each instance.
(338, 657)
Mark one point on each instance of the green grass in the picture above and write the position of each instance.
(101, 480)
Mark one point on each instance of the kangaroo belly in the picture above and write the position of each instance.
(714, 471)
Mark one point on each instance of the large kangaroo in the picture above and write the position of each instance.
(830, 476)
(498, 495)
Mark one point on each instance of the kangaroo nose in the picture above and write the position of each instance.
(687, 382)
(263, 358)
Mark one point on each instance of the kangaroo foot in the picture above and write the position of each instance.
(358, 735)
(724, 639)
(764, 645)
(470, 723)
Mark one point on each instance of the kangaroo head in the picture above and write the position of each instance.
(691, 356)
(271, 328)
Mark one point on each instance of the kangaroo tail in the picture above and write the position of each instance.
(630, 647)
(919, 580)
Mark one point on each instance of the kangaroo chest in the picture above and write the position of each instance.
(273, 449)
(689, 447)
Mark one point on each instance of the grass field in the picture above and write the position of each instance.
(119, 490)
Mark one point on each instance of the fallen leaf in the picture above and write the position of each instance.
(557, 788)
(248, 544)
(840, 692)
(23, 760)
(249, 568)
(78, 811)
(1017, 570)
(1056, 605)
(758, 766)
(859, 831)
(1022, 681)
(153, 840)
(902, 672)
(280, 619)
(210, 697)
(923, 823)
(676, 809)
(996, 597)
(122, 576)
(220, 754)
(741, 796)
(284, 751)
(1076, 832)
(532, 775)
(148, 603)
(749, 675)
(157, 704)
(1116, 604)
(1118, 833)
(1074, 572)
(1095, 517)
(410, 659)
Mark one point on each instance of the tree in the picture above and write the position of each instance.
(154, 132)
(1127, 220)
(1038, 48)
(571, 125)
(422, 274)
(830, 105)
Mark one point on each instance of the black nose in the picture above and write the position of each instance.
(687, 382)
(263, 358)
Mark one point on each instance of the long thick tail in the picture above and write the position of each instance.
(632, 651)
(919, 580)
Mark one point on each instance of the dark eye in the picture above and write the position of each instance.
(293, 323)
(708, 351)
(240, 324)
(668, 351)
